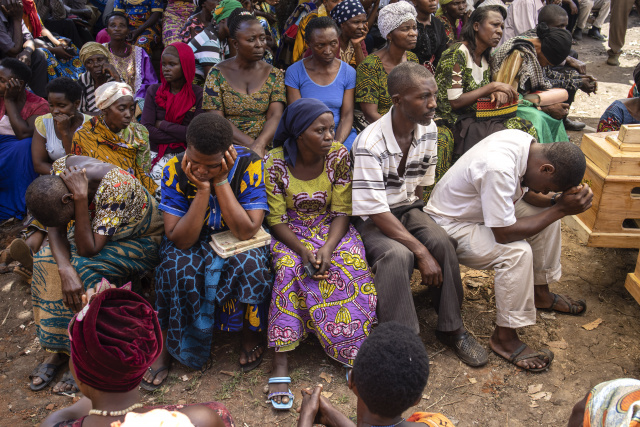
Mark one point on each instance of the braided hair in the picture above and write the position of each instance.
(236, 19)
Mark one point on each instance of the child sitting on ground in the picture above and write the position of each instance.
(388, 377)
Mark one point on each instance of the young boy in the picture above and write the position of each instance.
(388, 377)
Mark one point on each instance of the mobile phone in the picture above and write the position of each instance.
(310, 269)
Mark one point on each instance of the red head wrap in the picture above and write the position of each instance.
(114, 339)
(177, 105)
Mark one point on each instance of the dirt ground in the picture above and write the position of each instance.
(496, 395)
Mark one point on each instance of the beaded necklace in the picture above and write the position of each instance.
(116, 413)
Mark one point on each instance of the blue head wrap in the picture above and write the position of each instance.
(346, 10)
(297, 117)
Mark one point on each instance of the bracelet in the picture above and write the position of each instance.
(553, 198)
(226, 181)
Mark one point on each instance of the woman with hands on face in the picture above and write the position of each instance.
(210, 188)
(318, 257)
(95, 58)
(116, 232)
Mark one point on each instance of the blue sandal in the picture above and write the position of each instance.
(281, 380)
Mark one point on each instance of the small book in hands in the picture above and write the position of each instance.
(225, 244)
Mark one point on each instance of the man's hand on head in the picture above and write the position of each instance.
(575, 200)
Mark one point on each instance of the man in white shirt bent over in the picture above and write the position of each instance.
(393, 159)
(501, 201)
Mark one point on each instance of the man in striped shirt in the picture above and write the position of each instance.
(393, 159)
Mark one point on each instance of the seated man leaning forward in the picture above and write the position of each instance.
(394, 158)
(501, 202)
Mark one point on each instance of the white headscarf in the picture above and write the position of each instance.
(394, 15)
(110, 92)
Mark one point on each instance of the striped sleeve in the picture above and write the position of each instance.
(369, 196)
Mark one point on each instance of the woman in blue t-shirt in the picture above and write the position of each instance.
(324, 77)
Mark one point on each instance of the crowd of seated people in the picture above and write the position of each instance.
(364, 139)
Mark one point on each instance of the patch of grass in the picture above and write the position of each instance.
(229, 387)
(297, 375)
(342, 400)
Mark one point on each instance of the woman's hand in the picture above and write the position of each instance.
(365, 31)
(109, 70)
(558, 110)
(77, 182)
(589, 84)
(72, 288)
(60, 52)
(323, 259)
(500, 98)
(200, 185)
(508, 90)
(133, 36)
(227, 163)
(309, 258)
(62, 123)
(13, 89)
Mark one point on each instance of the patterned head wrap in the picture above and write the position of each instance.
(224, 9)
(92, 48)
(114, 339)
(346, 10)
(110, 92)
(443, 2)
(394, 15)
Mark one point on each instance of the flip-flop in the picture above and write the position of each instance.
(281, 406)
(67, 379)
(46, 372)
(22, 271)
(348, 369)
(573, 308)
(517, 357)
(252, 365)
(21, 252)
(150, 386)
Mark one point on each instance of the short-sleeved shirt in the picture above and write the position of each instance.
(483, 186)
(377, 185)
(120, 200)
(328, 192)
(207, 49)
(371, 85)
(246, 178)
(331, 94)
(247, 112)
(45, 127)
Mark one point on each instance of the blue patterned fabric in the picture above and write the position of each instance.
(246, 178)
(198, 291)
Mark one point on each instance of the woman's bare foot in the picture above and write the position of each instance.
(280, 369)
(252, 348)
(156, 375)
(57, 359)
(505, 342)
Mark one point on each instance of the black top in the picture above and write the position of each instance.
(432, 41)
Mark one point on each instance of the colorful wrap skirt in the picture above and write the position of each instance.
(173, 19)
(340, 310)
(199, 292)
(130, 252)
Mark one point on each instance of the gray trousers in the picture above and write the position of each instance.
(393, 264)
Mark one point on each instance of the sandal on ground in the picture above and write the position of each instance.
(282, 406)
(67, 379)
(22, 271)
(466, 347)
(21, 252)
(46, 372)
(540, 354)
(252, 365)
(150, 386)
(574, 308)
(5, 260)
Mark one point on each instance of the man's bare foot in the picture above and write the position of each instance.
(505, 342)
(57, 359)
(155, 375)
(251, 348)
(544, 299)
(280, 368)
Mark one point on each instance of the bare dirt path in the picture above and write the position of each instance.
(496, 395)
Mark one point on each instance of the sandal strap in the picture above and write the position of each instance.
(44, 371)
(280, 393)
(537, 355)
(280, 380)
(514, 356)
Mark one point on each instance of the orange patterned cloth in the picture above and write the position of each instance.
(432, 419)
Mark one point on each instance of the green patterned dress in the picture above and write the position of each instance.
(247, 112)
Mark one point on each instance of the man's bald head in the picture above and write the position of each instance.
(406, 77)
